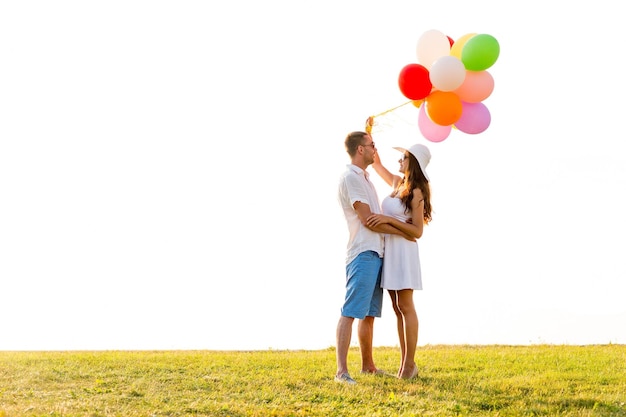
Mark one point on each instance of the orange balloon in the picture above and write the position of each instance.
(443, 107)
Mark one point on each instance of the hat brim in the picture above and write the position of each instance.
(401, 149)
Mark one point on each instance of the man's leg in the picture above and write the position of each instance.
(366, 340)
(344, 335)
(363, 295)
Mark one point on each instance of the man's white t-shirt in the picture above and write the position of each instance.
(354, 185)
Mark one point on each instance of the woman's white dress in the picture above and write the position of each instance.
(401, 261)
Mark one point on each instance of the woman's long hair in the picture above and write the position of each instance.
(414, 178)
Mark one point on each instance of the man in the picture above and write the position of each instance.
(364, 296)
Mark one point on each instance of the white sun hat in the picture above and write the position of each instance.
(421, 153)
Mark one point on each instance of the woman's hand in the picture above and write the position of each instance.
(377, 219)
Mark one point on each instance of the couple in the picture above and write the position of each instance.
(392, 230)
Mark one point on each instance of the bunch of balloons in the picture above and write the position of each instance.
(450, 82)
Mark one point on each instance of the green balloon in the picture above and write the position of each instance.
(480, 52)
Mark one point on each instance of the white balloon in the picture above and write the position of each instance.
(431, 45)
(447, 73)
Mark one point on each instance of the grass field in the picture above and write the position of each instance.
(536, 380)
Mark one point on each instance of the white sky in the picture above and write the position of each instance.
(168, 173)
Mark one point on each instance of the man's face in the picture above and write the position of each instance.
(369, 149)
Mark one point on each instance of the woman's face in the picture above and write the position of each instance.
(404, 163)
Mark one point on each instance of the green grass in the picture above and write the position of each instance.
(537, 380)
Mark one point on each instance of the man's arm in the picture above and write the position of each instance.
(413, 227)
(363, 211)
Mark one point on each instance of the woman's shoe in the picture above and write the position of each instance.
(413, 373)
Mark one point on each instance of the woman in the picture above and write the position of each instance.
(407, 208)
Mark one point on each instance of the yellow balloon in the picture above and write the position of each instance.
(458, 45)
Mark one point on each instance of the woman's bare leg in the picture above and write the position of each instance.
(410, 331)
(400, 327)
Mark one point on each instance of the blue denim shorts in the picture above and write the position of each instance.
(364, 296)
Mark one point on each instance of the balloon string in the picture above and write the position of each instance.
(370, 120)
(395, 108)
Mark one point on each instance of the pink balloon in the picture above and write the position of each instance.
(474, 119)
(477, 86)
(431, 130)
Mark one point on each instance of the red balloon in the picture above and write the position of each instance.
(450, 40)
(414, 81)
